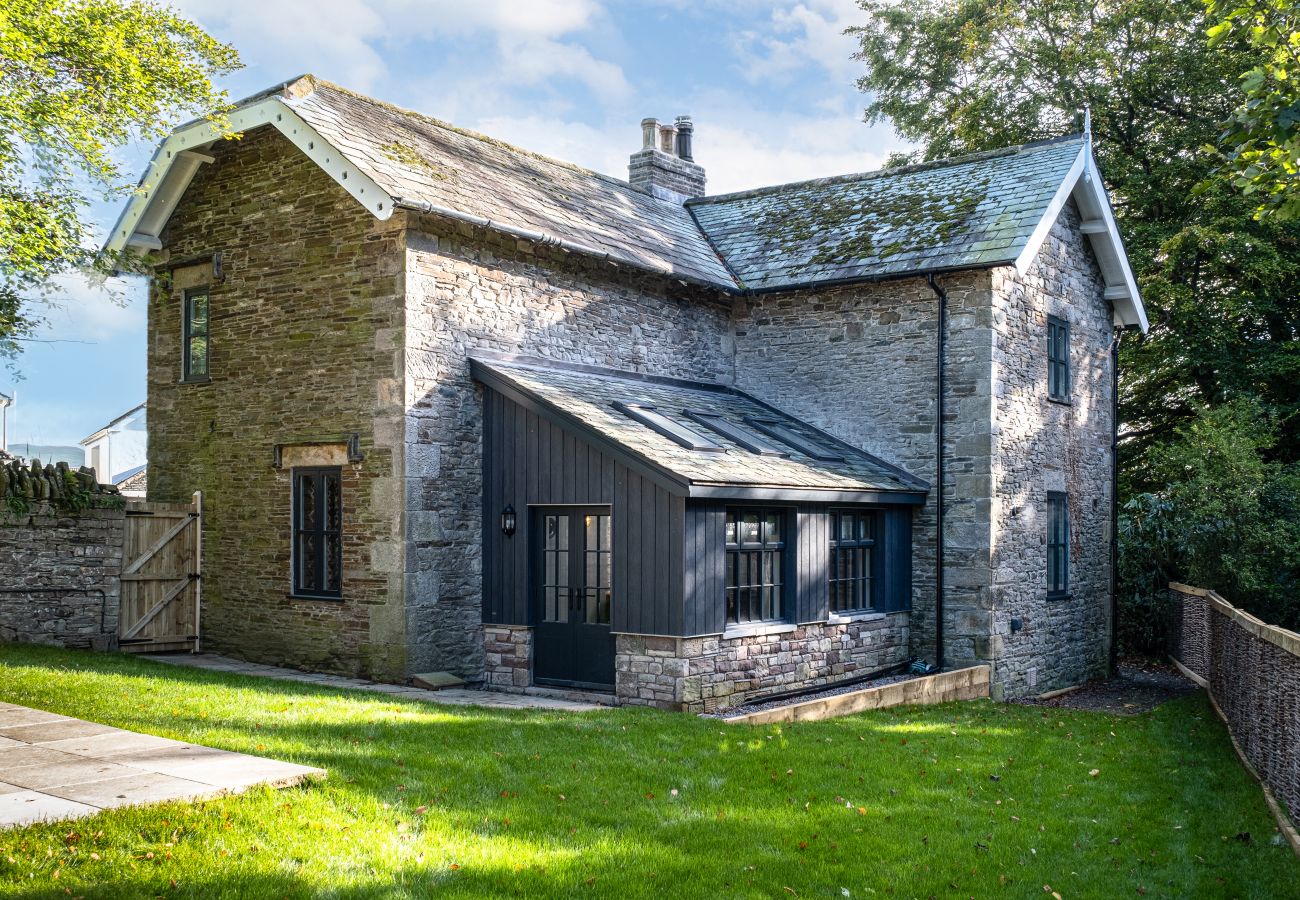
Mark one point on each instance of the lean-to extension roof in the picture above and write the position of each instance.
(587, 400)
(978, 211)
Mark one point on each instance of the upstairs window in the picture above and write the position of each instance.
(1058, 545)
(853, 560)
(755, 566)
(318, 532)
(1058, 359)
(194, 349)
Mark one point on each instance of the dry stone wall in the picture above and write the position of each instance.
(59, 575)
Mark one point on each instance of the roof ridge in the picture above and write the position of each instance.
(476, 135)
(947, 162)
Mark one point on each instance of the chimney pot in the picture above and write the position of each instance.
(649, 133)
(685, 128)
(668, 139)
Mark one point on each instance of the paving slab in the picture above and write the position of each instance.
(80, 770)
(133, 790)
(111, 744)
(21, 715)
(29, 807)
(448, 696)
(44, 732)
(58, 767)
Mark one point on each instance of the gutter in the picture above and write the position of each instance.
(941, 329)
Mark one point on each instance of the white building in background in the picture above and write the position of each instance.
(118, 452)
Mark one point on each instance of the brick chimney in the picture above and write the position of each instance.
(664, 166)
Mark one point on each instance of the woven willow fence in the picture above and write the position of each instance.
(1252, 671)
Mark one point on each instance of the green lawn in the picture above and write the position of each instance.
(973, 799)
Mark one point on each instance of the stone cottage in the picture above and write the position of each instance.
(458, 407)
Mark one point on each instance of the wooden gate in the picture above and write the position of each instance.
(161, 577)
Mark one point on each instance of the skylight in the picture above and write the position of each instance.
(754, 443)
(670, 428)
(788, 436)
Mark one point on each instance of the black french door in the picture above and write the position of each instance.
(573, 556)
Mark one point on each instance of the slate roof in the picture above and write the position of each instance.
(968, 212)
(586, 396)
(418, 158)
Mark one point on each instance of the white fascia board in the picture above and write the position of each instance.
(1084, 184)
(176, 161)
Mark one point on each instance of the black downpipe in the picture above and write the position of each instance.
(938, 476)
(1114, 503)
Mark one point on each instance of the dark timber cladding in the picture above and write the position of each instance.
(668, 551)
(530, 461)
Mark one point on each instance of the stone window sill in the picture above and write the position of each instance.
(866, 615)
(293, 596)
(764, 628)
(196, 381)
(1068, 595)
(1061, 401)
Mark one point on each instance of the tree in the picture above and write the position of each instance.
(1222, 288)
(78, 80)
(1262, 140)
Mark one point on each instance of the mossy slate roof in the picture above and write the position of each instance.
(587, 396)
(421, 159)
(970, 212)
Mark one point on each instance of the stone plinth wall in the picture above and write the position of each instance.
(59, 576)
(704, 674)
(1252, 671)
(508, 656)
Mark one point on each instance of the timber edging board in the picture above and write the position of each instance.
(961, 684)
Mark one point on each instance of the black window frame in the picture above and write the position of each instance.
(864, 577)
(739, 550)
(189, 334)
(782, 431)
(1058, 545)
(314, 585)
(663, 423)
(1058, 359)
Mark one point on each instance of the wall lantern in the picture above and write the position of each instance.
(508, 521)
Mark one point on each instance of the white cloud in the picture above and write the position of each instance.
(810, 33)
(82, 311)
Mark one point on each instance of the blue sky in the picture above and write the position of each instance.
(769, 84)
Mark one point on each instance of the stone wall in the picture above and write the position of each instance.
(59, 576)
(1039, 446)
(508, 656)
(860, 362)
(306, 346)
(467, 290)
(704, 674)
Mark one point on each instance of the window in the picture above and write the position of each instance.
(195, 337)
(1058, 359)
(670, 428)
(853, 560)
(791, 438)
(1058, 545)
(317, 532)
(755, 565)
(749, 440)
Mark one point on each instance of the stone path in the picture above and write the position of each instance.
(450, 696)
(56, 767)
